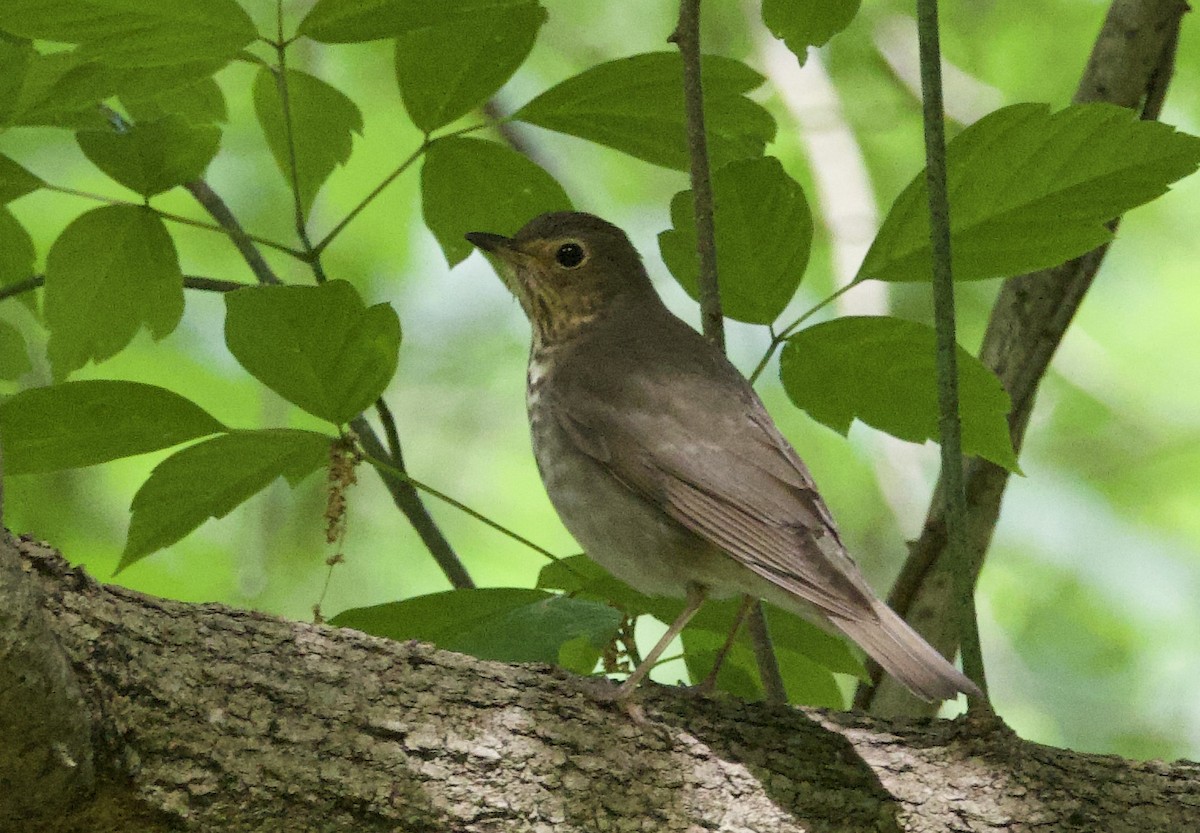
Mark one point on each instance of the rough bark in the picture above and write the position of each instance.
(201, 717)
(1130, 64)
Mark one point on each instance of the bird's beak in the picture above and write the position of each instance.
(494, 244)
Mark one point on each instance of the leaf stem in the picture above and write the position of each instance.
(782, 336)
(369, 198)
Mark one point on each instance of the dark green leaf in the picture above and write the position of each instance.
(323, 121)
(154, 156)
(14, 358)
(476, 185)
(15, 181)
(16, 255)
(78, 424)
(1030, 189)
(882, 371)
(112, 270)
(318, 347)
(764, 230)
(805, 23)
(135, 32)
(636, 105)
(507, 624)
(446, 69)
(581, 577)
(212, 478)
(15, 57)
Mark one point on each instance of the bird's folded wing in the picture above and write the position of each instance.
(750, 495)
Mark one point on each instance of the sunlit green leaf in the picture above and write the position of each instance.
(1030, 189)
(78, 424)
(212, 478)
(448, 68)
(636, 105)
(319, 347)
(763, 233)
(111, 271)
(135, 32)
(323, 122)
(882, 371)
(15, 181)
(154, 156)
(199, 100)
(497, 623)
(60, 89)
(805, 23)
(476, 185)
(354, 21)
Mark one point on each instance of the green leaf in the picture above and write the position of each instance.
(446, 69)
(111, 271)
(318, 347)
(882, 371)
(14, 357)
(1030, 189)
(804, 23)
(15, 57)
(78, 424)
(583, 578)
(60, 89)
(135, 32)
(154, 156)
(472, 185)
(764, 231)
(356, 21)
(506, 624)
(196, 97)
(212, 478)
(636, 106)
(17, 255)
(323, 121)
(15, 181)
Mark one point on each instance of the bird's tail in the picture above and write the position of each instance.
(906, 656)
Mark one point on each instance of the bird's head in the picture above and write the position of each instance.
(567, 269)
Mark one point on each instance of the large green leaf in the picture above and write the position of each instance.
(111, 271)
(805, 23)
(60, 89)
(882, 371)
(355, 21)
(14, 357)
(198, 99)
(212, 478)
(1030, 189)
(507, 624)
(476, 185)
(764, 231)
(154, 156)
(319, 347)
(636, 105)
(135, 32)
(448, 68)
(15, 181)
(17, 255)
(78, 424)
(323, 122)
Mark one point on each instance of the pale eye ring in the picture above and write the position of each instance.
(570, 255)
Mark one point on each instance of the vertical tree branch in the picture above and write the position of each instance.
(1130, 62)
(687, 37)
(954, 504)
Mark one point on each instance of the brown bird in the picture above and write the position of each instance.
(662, 461)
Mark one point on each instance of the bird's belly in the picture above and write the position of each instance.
(627, 535)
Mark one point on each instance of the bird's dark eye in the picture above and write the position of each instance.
(569, 255)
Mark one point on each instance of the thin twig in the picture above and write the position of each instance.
(189, 282)
(950, 428)
(219, 211)
(687, 37)
(369, 198)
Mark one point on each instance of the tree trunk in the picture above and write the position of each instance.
(125, 712)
